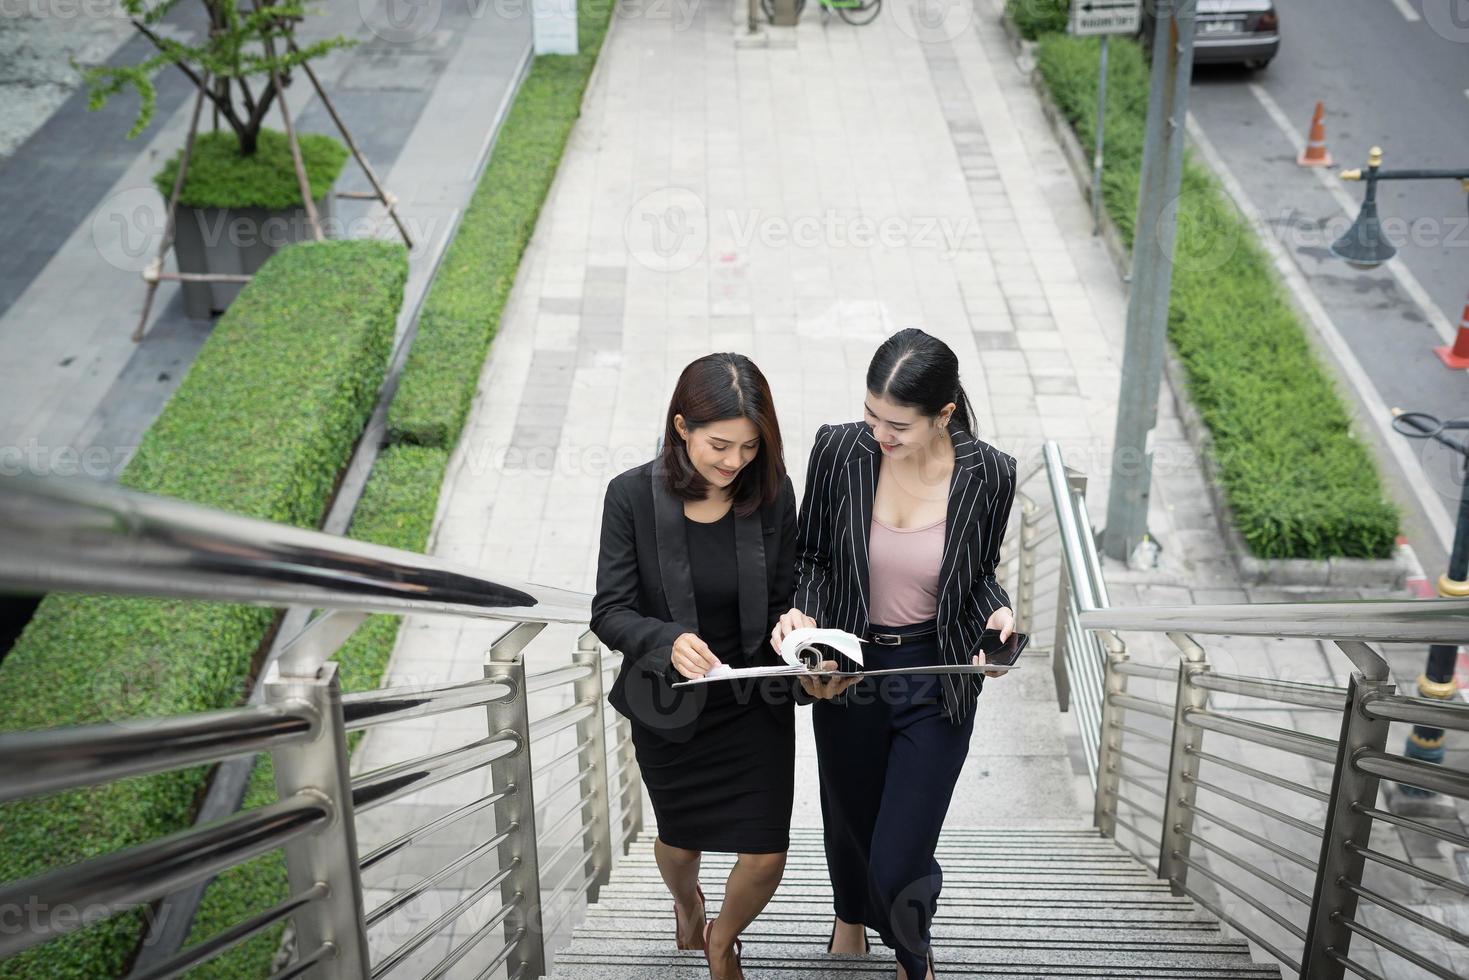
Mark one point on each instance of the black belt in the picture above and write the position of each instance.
(898, 639)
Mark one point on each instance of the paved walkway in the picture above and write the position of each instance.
(423, 96)
(800, 202)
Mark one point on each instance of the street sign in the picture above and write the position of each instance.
(1090, 17)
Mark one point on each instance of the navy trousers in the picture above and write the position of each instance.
(889, 759)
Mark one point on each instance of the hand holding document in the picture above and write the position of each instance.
(802, 656)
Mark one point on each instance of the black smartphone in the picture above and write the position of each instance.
(1002, 654)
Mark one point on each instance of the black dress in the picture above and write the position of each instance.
(729, 787)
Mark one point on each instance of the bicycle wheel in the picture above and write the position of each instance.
(861, 12)
(769, 7)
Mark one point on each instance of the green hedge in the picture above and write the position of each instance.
(1300, 483)
(220, 178)
(1037, 17)
(397, 510)
(260, 426)
(462, 310)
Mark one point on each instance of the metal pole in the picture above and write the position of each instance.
(1101, 129)
(516, 814)
(1152, 269)
(329, 856)
(1332, 901)
(1178, 806)
(592, 732)
(1109, 742)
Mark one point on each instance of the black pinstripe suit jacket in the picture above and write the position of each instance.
(836, 517)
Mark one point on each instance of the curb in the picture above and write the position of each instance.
(1298, 573)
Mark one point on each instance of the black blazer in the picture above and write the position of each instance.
(836, 519)
(645, 596)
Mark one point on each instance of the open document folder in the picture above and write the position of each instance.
(801, 655)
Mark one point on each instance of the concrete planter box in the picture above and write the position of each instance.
(235, 241)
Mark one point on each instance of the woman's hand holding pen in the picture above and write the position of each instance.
(692, 656)
(1002, 619)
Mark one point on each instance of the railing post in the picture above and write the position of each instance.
(630, 800)
(515, 815)
(1059, 671)
(1178, 799)
(592, 734)
(1109, 738)
(1331, 901)
(328, 856)
(1025, 590)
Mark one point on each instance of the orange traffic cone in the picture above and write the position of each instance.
(1315, 154)
(1457, 356)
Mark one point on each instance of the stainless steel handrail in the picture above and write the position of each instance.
(74, 535)
(1374, 620)
(368, 708)
(55, 759)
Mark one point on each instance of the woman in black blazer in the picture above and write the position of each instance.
(900, 533)
(697, 563)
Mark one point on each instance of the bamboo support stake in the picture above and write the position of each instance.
(280, 95)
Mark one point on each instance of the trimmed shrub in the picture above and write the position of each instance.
(260, 426)
(1301, 485)
(1034, 18)
(462, 310)
(220, 178)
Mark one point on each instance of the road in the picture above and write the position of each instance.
(1394, 74)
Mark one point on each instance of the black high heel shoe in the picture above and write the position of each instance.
(866, 946)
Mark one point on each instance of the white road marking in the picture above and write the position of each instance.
(1350, 206)
(1406, 9)
(1376, 406)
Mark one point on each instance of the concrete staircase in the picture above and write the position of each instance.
(1057, 903)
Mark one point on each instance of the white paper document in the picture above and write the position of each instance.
(802, 653)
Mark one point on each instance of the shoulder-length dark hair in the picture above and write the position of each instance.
(711, 389)
(916, 368)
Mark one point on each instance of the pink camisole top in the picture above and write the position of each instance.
(903, 573)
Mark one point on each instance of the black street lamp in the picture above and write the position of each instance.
(1437, 680)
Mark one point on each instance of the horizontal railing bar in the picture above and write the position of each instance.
(432, 827)
(1158, 671)
(558, 721)
(1143, 733)
(1138, 808)
(462, 950)
(1427, 775)
(367, 708)
(543, 767)
(185, 960)
(62, 534)
(304, 965)
(544, 800)
(422, 885)
(1253, 838)
(1257, 806)
(1245, 896)
(1395, 947)
(1134, 703)
(50, 760)
(1139, 760)
(401, 778)
(1290, 692)
(1429, 712)
(504, 955)
(1271, 778)
(566, 879)
(398, 956)
(1137, 831)
(1408, 823)
(557, 677)
(1367, 621)
(1297, 743)
(1449, 884)
(1253, 936)
(549, 831)
(122, 880)
(575, 840)
(1402, 911)
(1135, 781)
(571, 899)
(1260, 873)
(1353, 965)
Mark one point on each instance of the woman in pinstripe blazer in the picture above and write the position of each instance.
(898, 540)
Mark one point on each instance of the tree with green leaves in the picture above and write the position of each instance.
(249, 52)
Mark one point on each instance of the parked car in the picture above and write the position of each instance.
(1228, 32)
